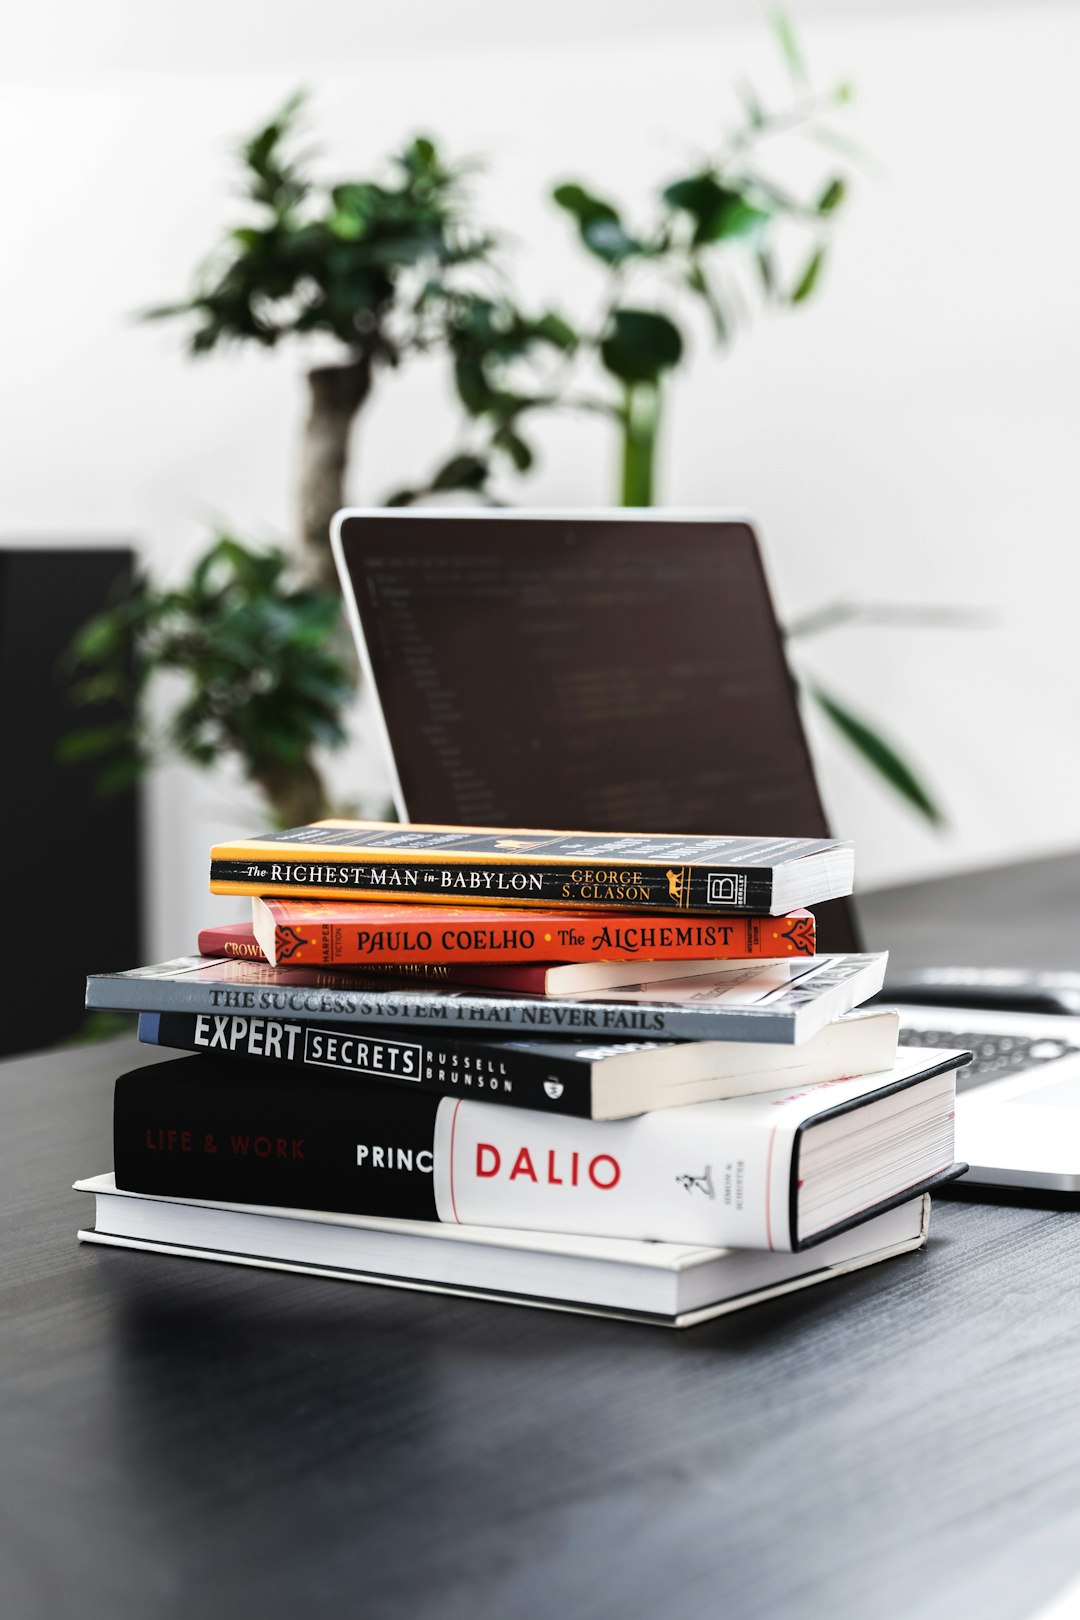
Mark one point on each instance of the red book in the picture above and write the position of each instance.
(533, 978)
(233, 939)
(339, 933)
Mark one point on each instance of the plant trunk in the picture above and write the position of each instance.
(336, 394)
(296, 793)
(641, 426)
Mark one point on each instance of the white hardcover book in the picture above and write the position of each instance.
(671, 1285)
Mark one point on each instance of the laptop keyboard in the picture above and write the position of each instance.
(996, 1056)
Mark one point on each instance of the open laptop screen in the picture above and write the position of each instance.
(603, 672)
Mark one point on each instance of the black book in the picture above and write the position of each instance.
(374, 860)
(564, 1076)
(782, 1170)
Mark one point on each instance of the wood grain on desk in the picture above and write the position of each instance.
(180, 1438)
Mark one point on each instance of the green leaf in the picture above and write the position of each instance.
(422, 152)
(461, 472)
(583, 204)
(515, 447)
(806, 283)
(640, 344)
(78, 745)
(607, 239)
(784, 29)
(697, 194)
(720, 213)
(740, 218)
(881, 756)
(472, 385)
(601, 229)
(102, 637)
(832, 196)
(551, 328)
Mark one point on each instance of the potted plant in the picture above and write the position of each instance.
(394, 266)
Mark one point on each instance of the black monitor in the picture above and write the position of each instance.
(596, 670)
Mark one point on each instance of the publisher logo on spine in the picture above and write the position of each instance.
(726, 889)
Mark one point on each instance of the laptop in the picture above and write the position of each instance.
(609, 669)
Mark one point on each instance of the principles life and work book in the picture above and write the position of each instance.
(662, 1284)
(777, 1002)
(782, 1170)
(557, 1075)
(374, 860)
(349, 934)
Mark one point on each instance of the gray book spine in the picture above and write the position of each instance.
(789, 1017)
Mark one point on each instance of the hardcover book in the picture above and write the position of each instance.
(374, 860)
(781, 1170)
(665, 1284)
(344, 933)
(230, 939)
(777, 1002)
(558, 1076)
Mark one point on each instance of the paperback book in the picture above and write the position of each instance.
(663, 1284)
(558, 1076)
(529, 978)
(781, 1170)
(343, 933)
(372, 860)
(777, 1002)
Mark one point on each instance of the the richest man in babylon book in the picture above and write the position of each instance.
(373, 860)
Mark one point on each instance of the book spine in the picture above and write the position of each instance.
(237, 940)
(354, 941)
(232, 939)
(478, 882)
(494, 1071)
(198, 1128)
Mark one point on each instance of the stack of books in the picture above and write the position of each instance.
(601, 1073)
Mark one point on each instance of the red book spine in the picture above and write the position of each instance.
(234, 939)
(238, 939)
(340, 933)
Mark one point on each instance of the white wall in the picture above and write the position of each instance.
(909, 437)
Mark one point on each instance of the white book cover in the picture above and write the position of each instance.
(671, 1285)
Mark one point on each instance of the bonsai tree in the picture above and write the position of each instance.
(393, 266)
(382, 266)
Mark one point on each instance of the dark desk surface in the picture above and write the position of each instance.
(181, 1438)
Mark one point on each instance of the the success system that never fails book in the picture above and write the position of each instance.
(742, 1001)
(371, 860)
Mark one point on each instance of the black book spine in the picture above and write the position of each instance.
(588, 887)
(484, 1070)
(247, 1133)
